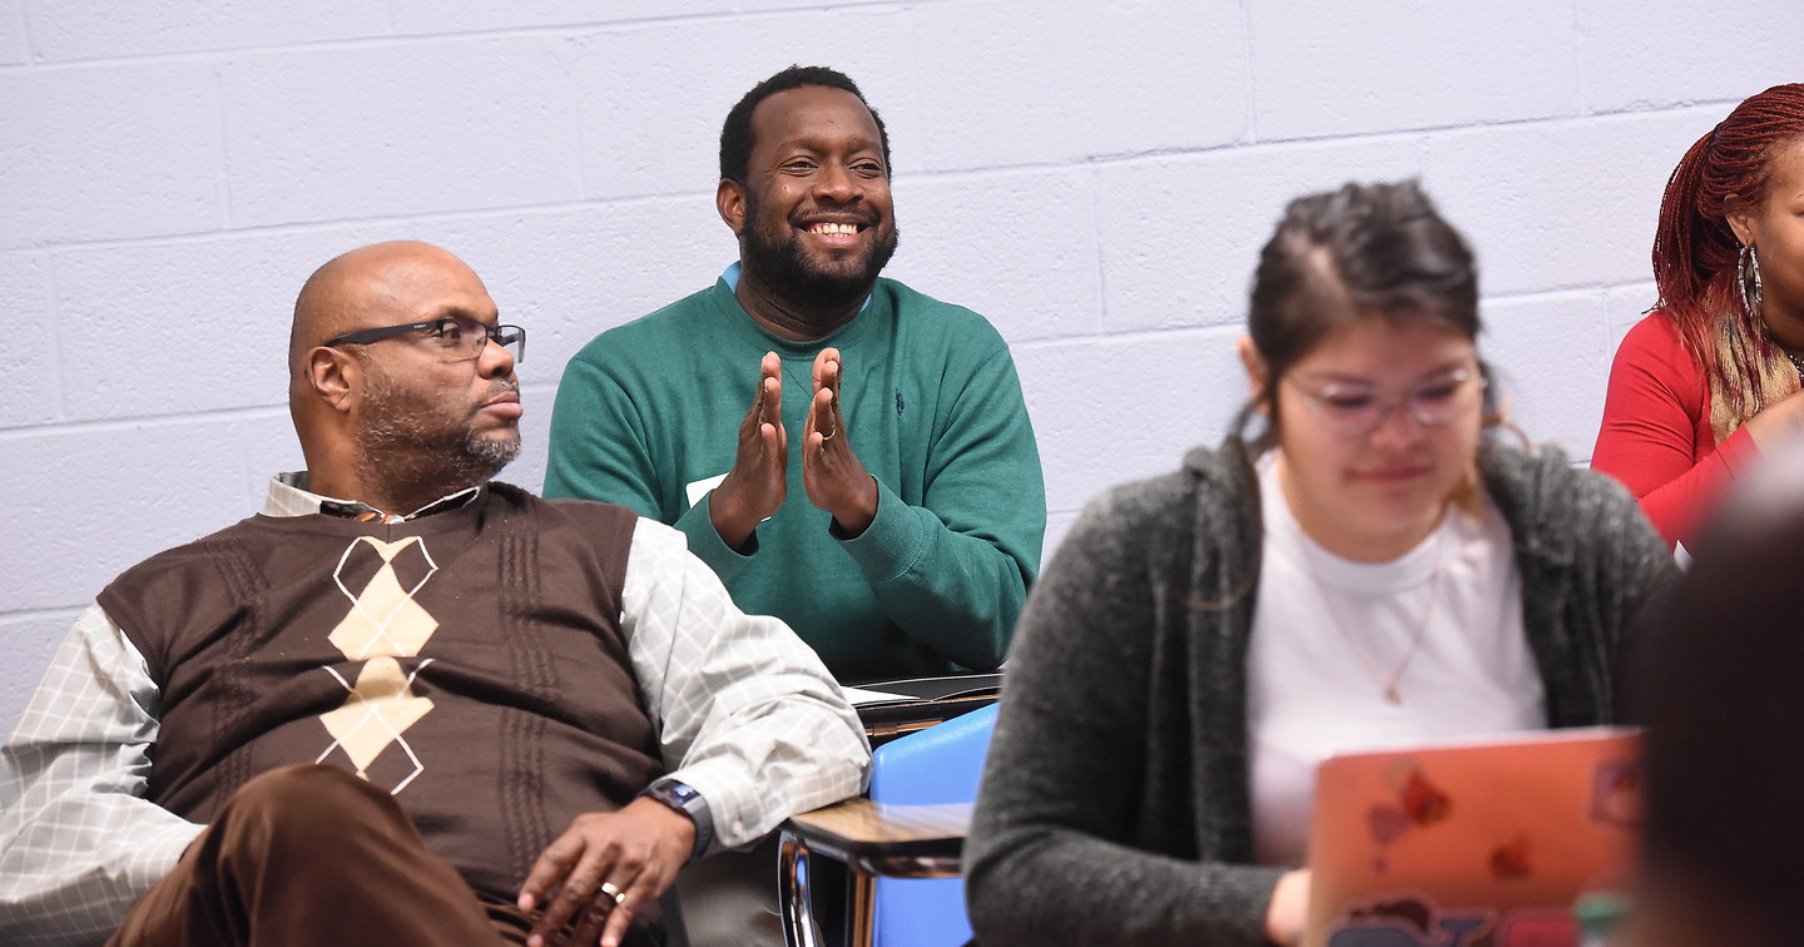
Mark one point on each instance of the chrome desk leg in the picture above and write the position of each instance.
(798, 912)
(864, 908)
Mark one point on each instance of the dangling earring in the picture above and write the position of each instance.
(1747, 279)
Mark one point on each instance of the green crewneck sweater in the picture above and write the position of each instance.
(933, 409)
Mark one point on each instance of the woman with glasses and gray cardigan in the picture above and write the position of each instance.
(1371, 568)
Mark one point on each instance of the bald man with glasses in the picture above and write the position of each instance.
(406, 703)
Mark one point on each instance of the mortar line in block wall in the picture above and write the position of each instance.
(302, 228)
(227, 207)
(397, 37)
(1252, 99)
(52, 326)
(1252, 150)
(1203, 333)
(141, 422)
(22, 615)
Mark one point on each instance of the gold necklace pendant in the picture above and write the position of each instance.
(1389, 682)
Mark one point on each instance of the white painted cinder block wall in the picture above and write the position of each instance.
(1096, 178)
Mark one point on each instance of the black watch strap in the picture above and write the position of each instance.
(684, 798)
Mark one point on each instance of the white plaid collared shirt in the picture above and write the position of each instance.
(745, 712)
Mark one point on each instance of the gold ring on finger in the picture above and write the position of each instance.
(618, 895)
(828, 436)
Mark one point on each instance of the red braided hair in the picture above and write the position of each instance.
(1694, 249)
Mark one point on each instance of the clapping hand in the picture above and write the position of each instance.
(834, 478)
(755, 487)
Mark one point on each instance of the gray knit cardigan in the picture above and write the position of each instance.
(1115, 805)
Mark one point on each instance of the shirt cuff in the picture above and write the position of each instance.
(1738, 449)
(732, 804)
(895, 540)
(704, 540)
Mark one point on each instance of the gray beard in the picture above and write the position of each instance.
(408, 465)
(396, 453)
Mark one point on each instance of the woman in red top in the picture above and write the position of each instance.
(1713, 373)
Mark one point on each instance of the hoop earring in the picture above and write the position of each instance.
(1747, 279)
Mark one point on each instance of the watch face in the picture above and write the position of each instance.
(681, 792)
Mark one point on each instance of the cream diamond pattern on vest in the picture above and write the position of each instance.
(384, 623)
(380, 707)
(384, 618)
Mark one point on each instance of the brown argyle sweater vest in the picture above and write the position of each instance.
(469, 662)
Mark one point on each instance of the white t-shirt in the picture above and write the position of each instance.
(1310, 694)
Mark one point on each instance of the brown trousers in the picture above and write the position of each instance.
(312, 856)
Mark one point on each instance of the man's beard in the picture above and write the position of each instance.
(780, 261)
(400, 447)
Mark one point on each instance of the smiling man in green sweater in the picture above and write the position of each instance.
(847, 454)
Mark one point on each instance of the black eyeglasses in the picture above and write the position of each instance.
(460, 337)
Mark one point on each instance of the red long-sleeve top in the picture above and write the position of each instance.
(1656, 435)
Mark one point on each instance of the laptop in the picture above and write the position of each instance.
(1485, 843)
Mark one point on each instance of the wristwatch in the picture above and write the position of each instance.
(684, 798)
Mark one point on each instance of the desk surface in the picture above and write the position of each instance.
(866, 823)
(900, 841)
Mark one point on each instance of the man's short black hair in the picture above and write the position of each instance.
(736, 134)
